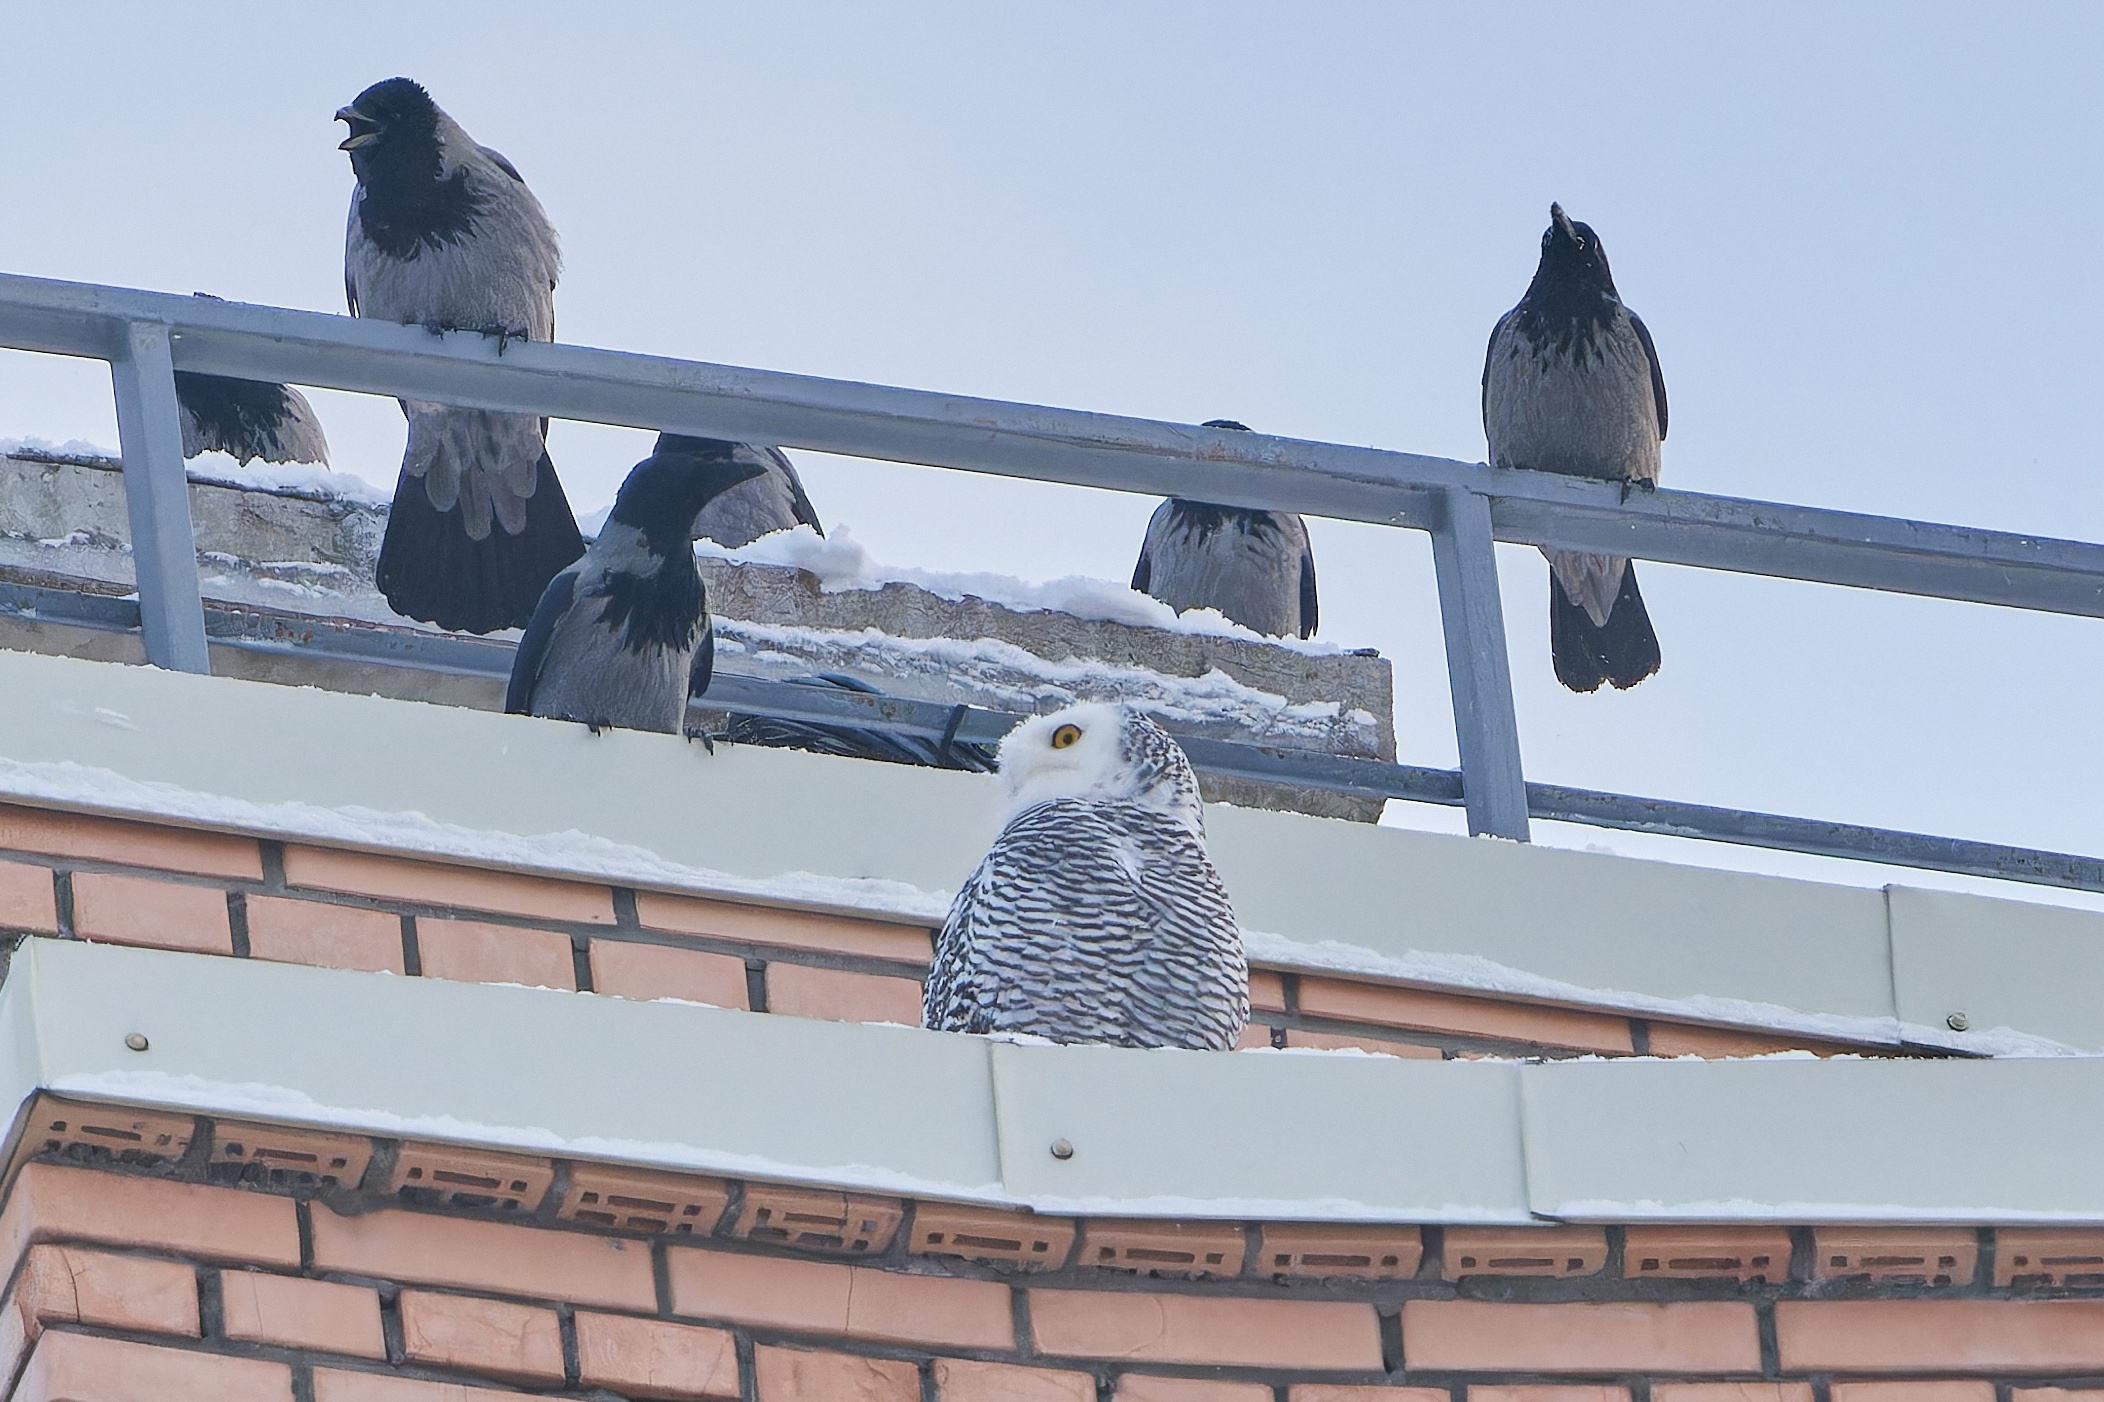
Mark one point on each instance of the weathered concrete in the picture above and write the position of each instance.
(63, 525)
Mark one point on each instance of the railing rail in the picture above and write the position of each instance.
(1465, 507)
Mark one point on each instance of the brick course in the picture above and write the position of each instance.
(496, 1256)
(633, 969)
(957, 1380)
(80, 1368)
(73, 1285)
(495, 1338)
(297, 1313)
(793, 929)
(651, 1358)
(1923, 1336)
(28, 899)
(855, 1302)
(439, 884)
(475, 951)
(1257, 1333)
(795, 1375)
(146, 911)
(1147, 1387)
(1693, 1337)
(1530, 1023)
(52, 1202)
(331, 936)
(799, 990)
(123, 843)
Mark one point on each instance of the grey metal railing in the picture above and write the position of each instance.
(1466, 507)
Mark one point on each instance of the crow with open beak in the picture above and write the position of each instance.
(444, 234)
(1571, 384)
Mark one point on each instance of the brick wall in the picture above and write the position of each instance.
(177, 888)
(152, 1256)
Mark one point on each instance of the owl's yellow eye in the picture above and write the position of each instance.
(1065, 736)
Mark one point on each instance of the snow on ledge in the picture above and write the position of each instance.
(842, 563)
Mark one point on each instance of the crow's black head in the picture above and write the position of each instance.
(404, 205)
(1225, 423)
(1571, 257)
(668, 489)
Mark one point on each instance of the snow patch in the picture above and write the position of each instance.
(287, 479)
(44, 448)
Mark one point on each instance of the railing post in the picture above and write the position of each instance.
(1493, 785)
(157, 501)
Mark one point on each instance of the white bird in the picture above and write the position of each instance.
(1097, 915)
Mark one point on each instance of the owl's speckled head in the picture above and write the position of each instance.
(1098, 751)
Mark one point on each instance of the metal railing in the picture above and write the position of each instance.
(1466, 508)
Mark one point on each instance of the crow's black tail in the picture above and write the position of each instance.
(1622, 654)
(431, 570)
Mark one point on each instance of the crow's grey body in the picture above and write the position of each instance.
(1571, 384)
(616, 637)
(443, 233)
(248, 419)
(1253, 566)
(1097, 916)
(762, 506)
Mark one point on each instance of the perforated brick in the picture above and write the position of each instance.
(1895, 1255)
(793, 929)
(1017, 1240)
(799, 1375)
(56, 834)
(1539, 1251)
(288, 1158)
(79, 1132)
(960, 1380)
(296, 1313)
(638, 1200)
(474, 951)
(1697, 1253)
(2049, 1256)
(449, 1176)
(651, 1358)
(146, 910)
(441, 884)
(327, 936)
(1164, 1249)
(634, 969)
(82, 1368)
(817, 1220)
(1349, 1251)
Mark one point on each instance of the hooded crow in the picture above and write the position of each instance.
(622, 636)
(774, 501)
(1571, 384)
(248, 419)
(1254, 566)
(444, 234)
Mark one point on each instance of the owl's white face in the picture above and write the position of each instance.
(1075, 753)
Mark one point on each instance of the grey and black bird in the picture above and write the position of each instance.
(1097, 915)
(622, 636)
(774, 501)
(1255, 567)
(444, 234)
(247, 420)
(1571, 384)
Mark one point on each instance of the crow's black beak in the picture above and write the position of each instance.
(1561, 222)
(363, 128)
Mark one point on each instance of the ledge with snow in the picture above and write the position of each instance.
(362, 1049)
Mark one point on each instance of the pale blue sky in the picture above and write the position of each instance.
(1864, 238)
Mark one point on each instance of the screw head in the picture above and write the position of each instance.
(1062, 1149)
(135, 1040)
(1957, 1022)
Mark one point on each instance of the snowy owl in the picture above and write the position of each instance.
(1097, 916)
